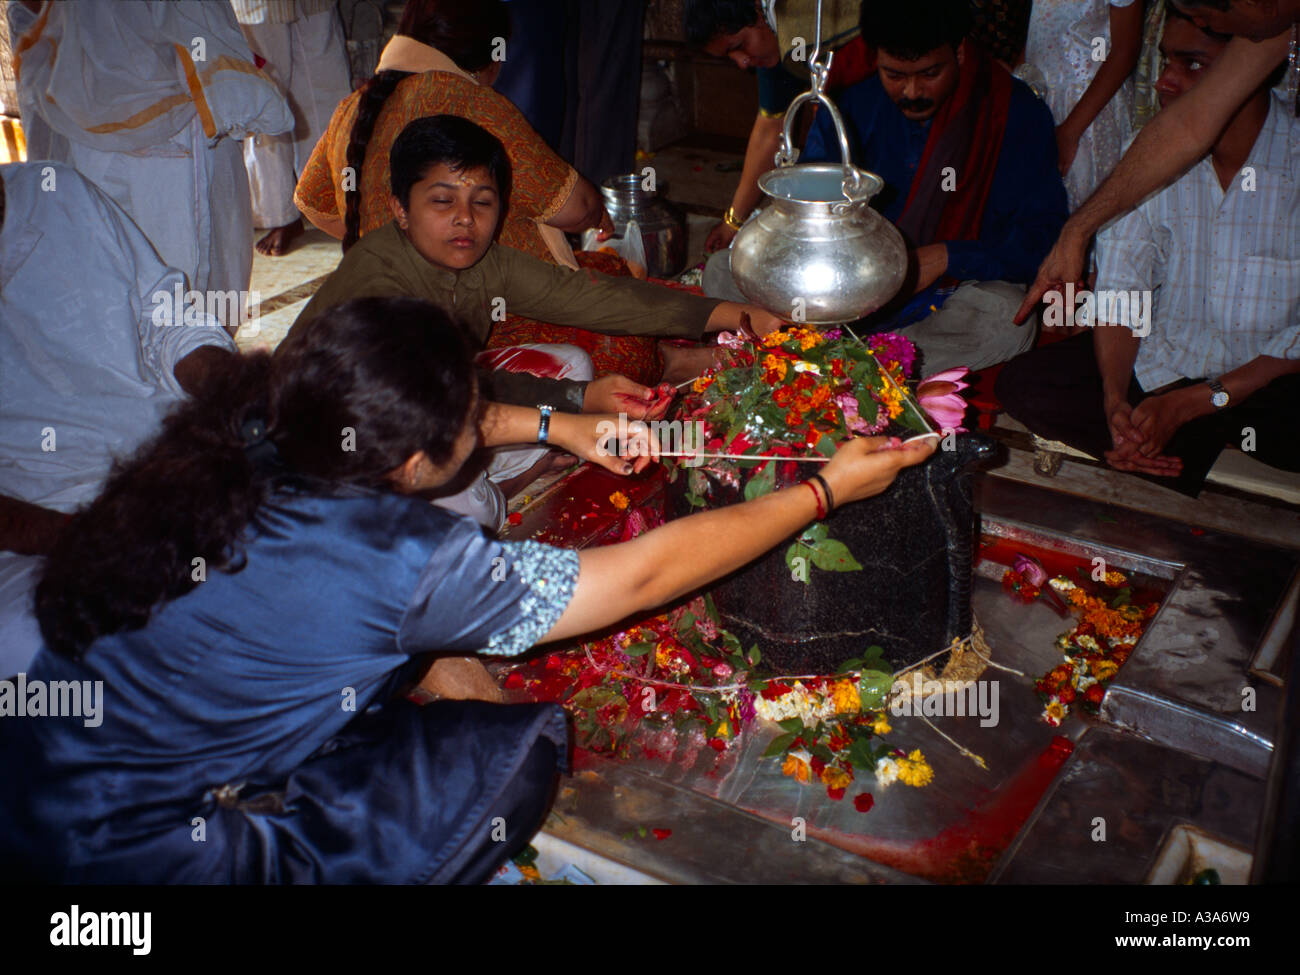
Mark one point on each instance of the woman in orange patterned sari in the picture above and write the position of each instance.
(442, 62)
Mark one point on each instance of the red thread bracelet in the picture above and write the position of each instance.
(821, 507)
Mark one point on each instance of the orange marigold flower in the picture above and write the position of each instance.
(796, 766)
(619, 500)
(835, 777)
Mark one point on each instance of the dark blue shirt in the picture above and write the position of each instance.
(1026, 205)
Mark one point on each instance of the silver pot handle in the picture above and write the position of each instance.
(787, 154)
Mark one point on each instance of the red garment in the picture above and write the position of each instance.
(852, 63)
(965, 135)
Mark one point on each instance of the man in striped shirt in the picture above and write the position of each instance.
(1206, 275)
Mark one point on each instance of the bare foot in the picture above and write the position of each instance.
(461, 679)
(681, 364)
(276, 242)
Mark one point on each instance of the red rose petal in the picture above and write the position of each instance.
(662, 834)
(835, 794)
(514, 517)
(863, 802)
(717, 744)
(514, 680)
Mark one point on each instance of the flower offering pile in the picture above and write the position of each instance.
(798, 392)
(1109, 625)
(680, 681)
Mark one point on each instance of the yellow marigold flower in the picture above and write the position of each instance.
(1078, 597)
(797, 767)
(880, 726)
(1115, 579)
(845, 696)
(619, 500)
(835, 777)
(1104, 669)
(809, 339)
(915, 770)
(724, 730)
(701, 384)
(663, 656)
(774, 338)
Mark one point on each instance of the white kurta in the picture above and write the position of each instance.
(85, 373)
(1224, 265)
(307, 57)
(149, 101)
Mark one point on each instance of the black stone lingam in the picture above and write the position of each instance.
(915, 542)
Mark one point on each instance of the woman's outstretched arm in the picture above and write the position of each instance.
(664, 564)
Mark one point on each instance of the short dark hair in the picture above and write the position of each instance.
(449, 139)
(1173, 10)
(464, 30)
(909, 29)
(707, 19)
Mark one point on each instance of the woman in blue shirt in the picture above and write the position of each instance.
(251, 590)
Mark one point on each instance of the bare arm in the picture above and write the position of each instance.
(1121, 59)
(764, 141)
(192, 371)
(584, 208)
(1171, 142)
(615, 581)
(588, 436)
(28, 529)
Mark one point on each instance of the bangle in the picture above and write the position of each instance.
(731, 219)
(830, 498)
(821, 508)
(544, 424)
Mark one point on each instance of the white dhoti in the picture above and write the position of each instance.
(308, 60)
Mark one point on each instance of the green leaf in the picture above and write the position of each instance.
(758, 686)
(761, 483)
(825, 446)
(779, 745)
(792, 725)
(873, 687)
(861, 754)
(755, 657)
(694, 500)
(710, 608)
(1122, 598)
(638, 649)
(873, 653)
(834, 556)
(849, 665)
(595, 697)
(822, 752)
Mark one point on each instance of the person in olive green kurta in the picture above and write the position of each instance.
(450, 182)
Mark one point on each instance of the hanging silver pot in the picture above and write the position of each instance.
(818, 253)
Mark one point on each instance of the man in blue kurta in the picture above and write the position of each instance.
(968, 156)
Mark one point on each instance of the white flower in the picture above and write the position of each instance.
(802, 366)
(886, 772)
(1088, 643)
(1061, 584)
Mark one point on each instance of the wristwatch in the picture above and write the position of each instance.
(1218, 395)
(544, 424)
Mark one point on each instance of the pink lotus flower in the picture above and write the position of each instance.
(1030, 569)
(940, 396)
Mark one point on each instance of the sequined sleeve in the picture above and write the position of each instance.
(481, 595)
(549, 576)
